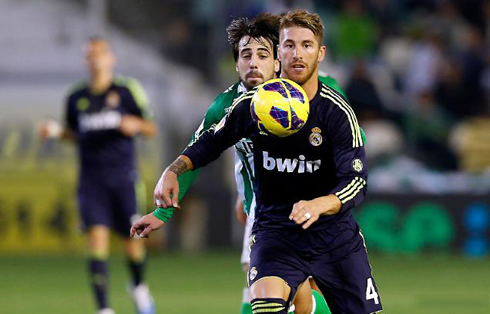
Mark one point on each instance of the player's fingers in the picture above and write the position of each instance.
(300, 217)
(175, 198)
(165, 198)
(145, 233)
(309, 222)
(297, 207)
(132, 231)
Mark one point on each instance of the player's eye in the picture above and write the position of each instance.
(263, 56)
(247, 56)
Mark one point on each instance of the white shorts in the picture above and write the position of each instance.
(245, 259)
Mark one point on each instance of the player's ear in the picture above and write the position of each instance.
(321, 53)
(277, 66)
(279, 53)
(236, 68)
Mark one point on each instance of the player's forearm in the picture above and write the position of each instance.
(330, 204)
(148, 128)
(180, 165)
(68, 134)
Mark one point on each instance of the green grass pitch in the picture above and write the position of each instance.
(212, 283)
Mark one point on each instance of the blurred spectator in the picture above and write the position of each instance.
(427, 129)
(386, 13)
(473, 65)
(471, 141)
(356, 32)
(450, 91)
(448, 21)
(362, 94)
(384, 140)
(426, 57)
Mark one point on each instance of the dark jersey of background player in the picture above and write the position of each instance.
(104, 150)
(325, 157)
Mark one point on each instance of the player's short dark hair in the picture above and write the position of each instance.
(304, 19)
(264, 25)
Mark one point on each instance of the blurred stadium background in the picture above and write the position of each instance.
(417, 72)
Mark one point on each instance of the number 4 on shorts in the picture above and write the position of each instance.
(371, 291)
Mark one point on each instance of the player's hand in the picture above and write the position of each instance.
(130, 125)
(145, 225)
(49, 129)
(306, 212)
(166, 193)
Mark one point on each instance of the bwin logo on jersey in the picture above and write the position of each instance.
(105, 120)
(290, 165)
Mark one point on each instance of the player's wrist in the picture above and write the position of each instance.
(54, 130)
(163, 214)
(330, 205)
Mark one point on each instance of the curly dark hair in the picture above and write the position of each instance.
(264, 25)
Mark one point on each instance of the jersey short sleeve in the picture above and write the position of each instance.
(137, 102)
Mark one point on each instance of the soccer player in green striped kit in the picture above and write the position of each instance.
(254, 44)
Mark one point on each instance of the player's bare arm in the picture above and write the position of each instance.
(166, 193)
(307, 212)
(51, 129)
(146, 225)
(132, 125)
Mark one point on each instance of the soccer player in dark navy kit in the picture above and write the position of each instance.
(306, 185)
(103, 116)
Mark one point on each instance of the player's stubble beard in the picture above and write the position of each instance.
(257, 77)
(301, 80)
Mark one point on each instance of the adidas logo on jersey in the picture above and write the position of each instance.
(299, 165)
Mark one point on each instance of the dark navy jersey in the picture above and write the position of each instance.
(95, 120)
(325, 157)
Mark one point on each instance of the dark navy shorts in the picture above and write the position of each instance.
(343, 276)
(111, 204)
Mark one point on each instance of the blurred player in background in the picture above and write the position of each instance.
(303, 223)
(254, 45)
(103, 116)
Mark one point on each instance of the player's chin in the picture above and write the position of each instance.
(254, 81)
(299, 78)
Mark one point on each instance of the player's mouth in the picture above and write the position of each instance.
(298, 67)
(254, 75)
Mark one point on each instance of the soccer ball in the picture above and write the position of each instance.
(280, 107)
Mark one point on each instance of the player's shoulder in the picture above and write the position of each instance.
(331, 82)
(245, 97)
(225, 98)
(333, 106)
(78, 89)
(221, 104)
(125, 81)
(333, 97)
(128, 83)
(133, 87)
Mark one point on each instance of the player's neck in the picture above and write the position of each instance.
(100, 82)
(311, 86)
